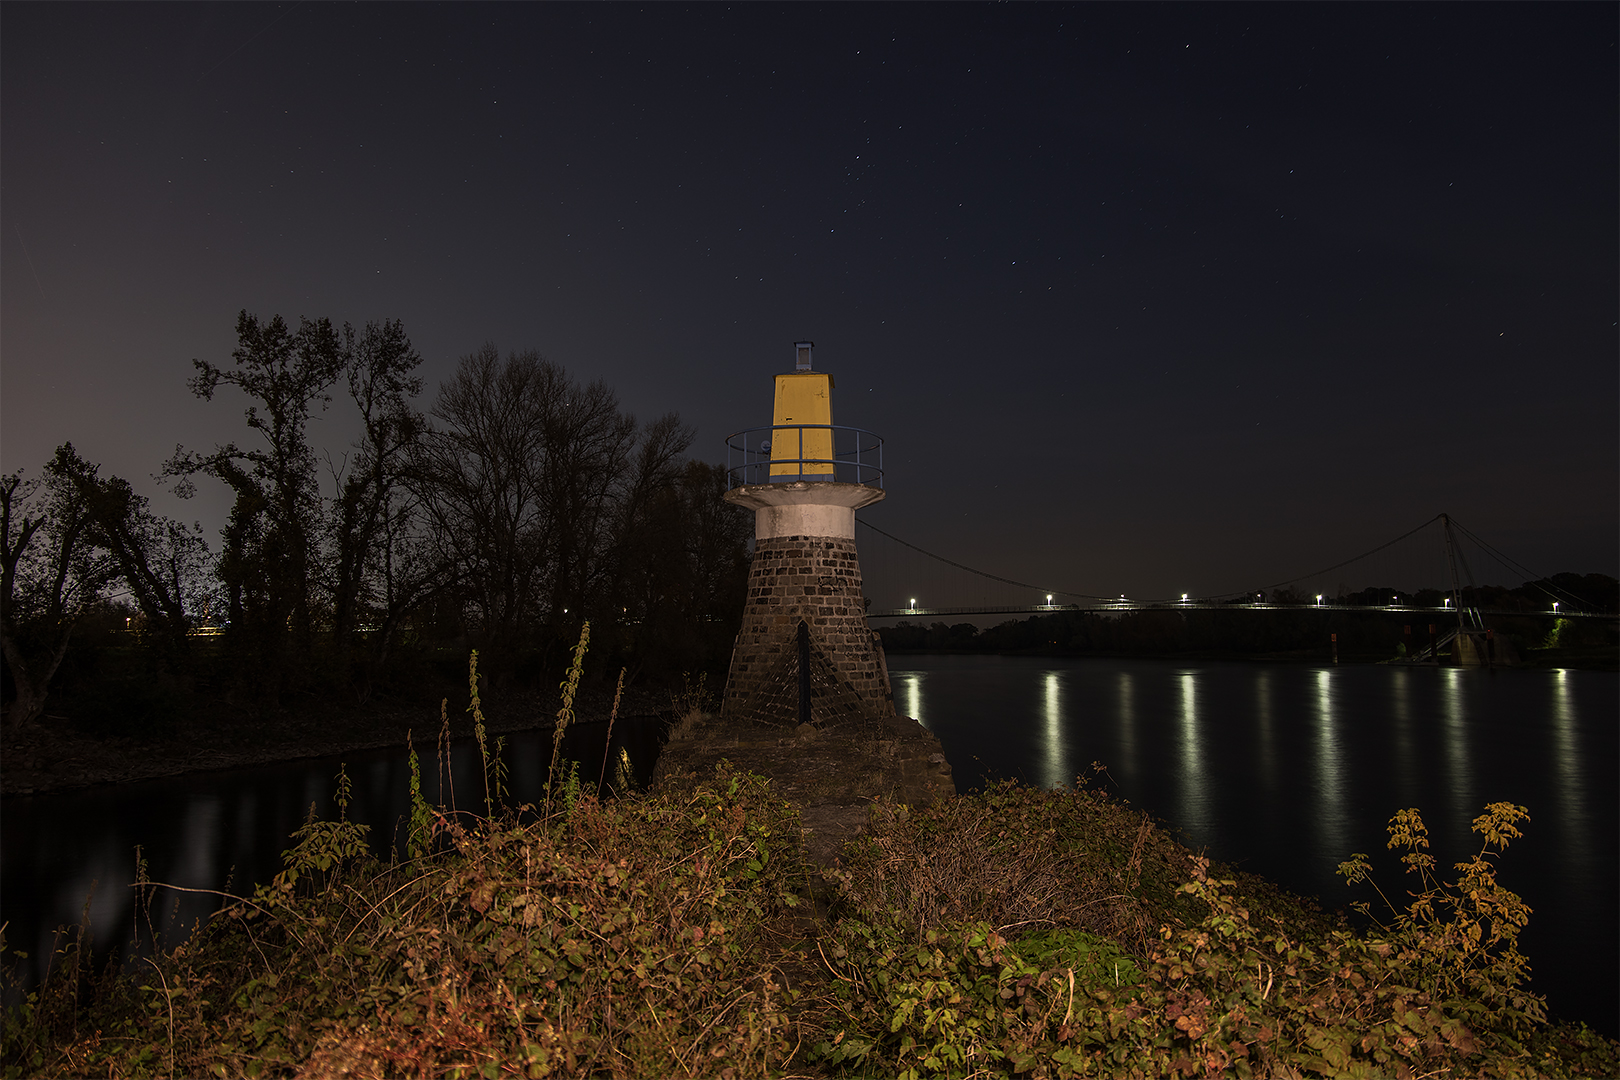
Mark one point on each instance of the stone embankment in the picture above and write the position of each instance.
(832, 776)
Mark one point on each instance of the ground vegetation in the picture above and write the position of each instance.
(683, 932)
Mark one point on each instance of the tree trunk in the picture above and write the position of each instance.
(32, 686)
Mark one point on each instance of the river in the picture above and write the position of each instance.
(1281, 769)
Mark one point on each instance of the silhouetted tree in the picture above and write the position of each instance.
(542, 493)
(684, 571)
(380, 566)
(50, 575)
(265, 566)
(478, 476)
(161, 561)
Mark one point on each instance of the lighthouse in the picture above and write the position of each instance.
(804, 653)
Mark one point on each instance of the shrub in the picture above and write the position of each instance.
(934, 976)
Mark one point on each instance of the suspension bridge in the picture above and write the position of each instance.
(1455, 596)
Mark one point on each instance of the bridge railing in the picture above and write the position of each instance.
(787, 453)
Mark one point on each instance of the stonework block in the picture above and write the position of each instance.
(816, 580)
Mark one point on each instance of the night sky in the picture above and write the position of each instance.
(1144, 298)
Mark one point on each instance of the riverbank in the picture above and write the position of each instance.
(54, 755)
(687, 932)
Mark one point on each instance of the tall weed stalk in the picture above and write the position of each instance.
(447, 776)
(475, 706)
(565, 715)
(416, 840)
(607, 745)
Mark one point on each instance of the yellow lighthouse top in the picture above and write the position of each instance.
(803, 399)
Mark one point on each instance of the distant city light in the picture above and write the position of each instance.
(913, 603)
(1318, 599)
(1448, 601)
(1048, 599)
(1183, 598)
(1555, 605)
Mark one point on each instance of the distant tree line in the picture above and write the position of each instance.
(520, 504)
(1598, 593)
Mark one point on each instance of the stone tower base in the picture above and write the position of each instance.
(816, 581)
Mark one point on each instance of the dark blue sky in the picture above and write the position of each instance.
(1145, 298)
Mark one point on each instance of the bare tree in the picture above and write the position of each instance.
(684, 570)
(524, 478)
(50, 575)
(379, 566)
(268, 543)
(477, 473)
(586, 481)
(160, 560)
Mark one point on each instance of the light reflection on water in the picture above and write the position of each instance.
(1127, 728)
(1194, 801)
(1266, 737)
(1057, 771)
(1331, 817)
(908, 689)
(1288, 769)
(1404, 755)
(1566, 764)
(1454, 712)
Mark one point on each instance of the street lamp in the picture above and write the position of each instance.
(1183, 598)
(1555, 607)
(1048, 599)
(1318, 599)
(913, 603)
(1448, 601)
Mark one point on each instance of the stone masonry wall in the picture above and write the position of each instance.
(816, 579)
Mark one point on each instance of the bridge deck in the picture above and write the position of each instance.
(1118, 607)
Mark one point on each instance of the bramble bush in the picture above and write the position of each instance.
(1230, 992)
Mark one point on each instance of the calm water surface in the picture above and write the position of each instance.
(67, 854)
(1286, 770)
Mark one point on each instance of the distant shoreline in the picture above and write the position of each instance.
(1535, 659)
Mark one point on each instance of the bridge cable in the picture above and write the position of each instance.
(1347, 562)
(981, 573)
(1532, 578)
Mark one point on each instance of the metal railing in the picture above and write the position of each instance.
(776, 455)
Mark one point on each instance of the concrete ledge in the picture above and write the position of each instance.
(804, 508)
